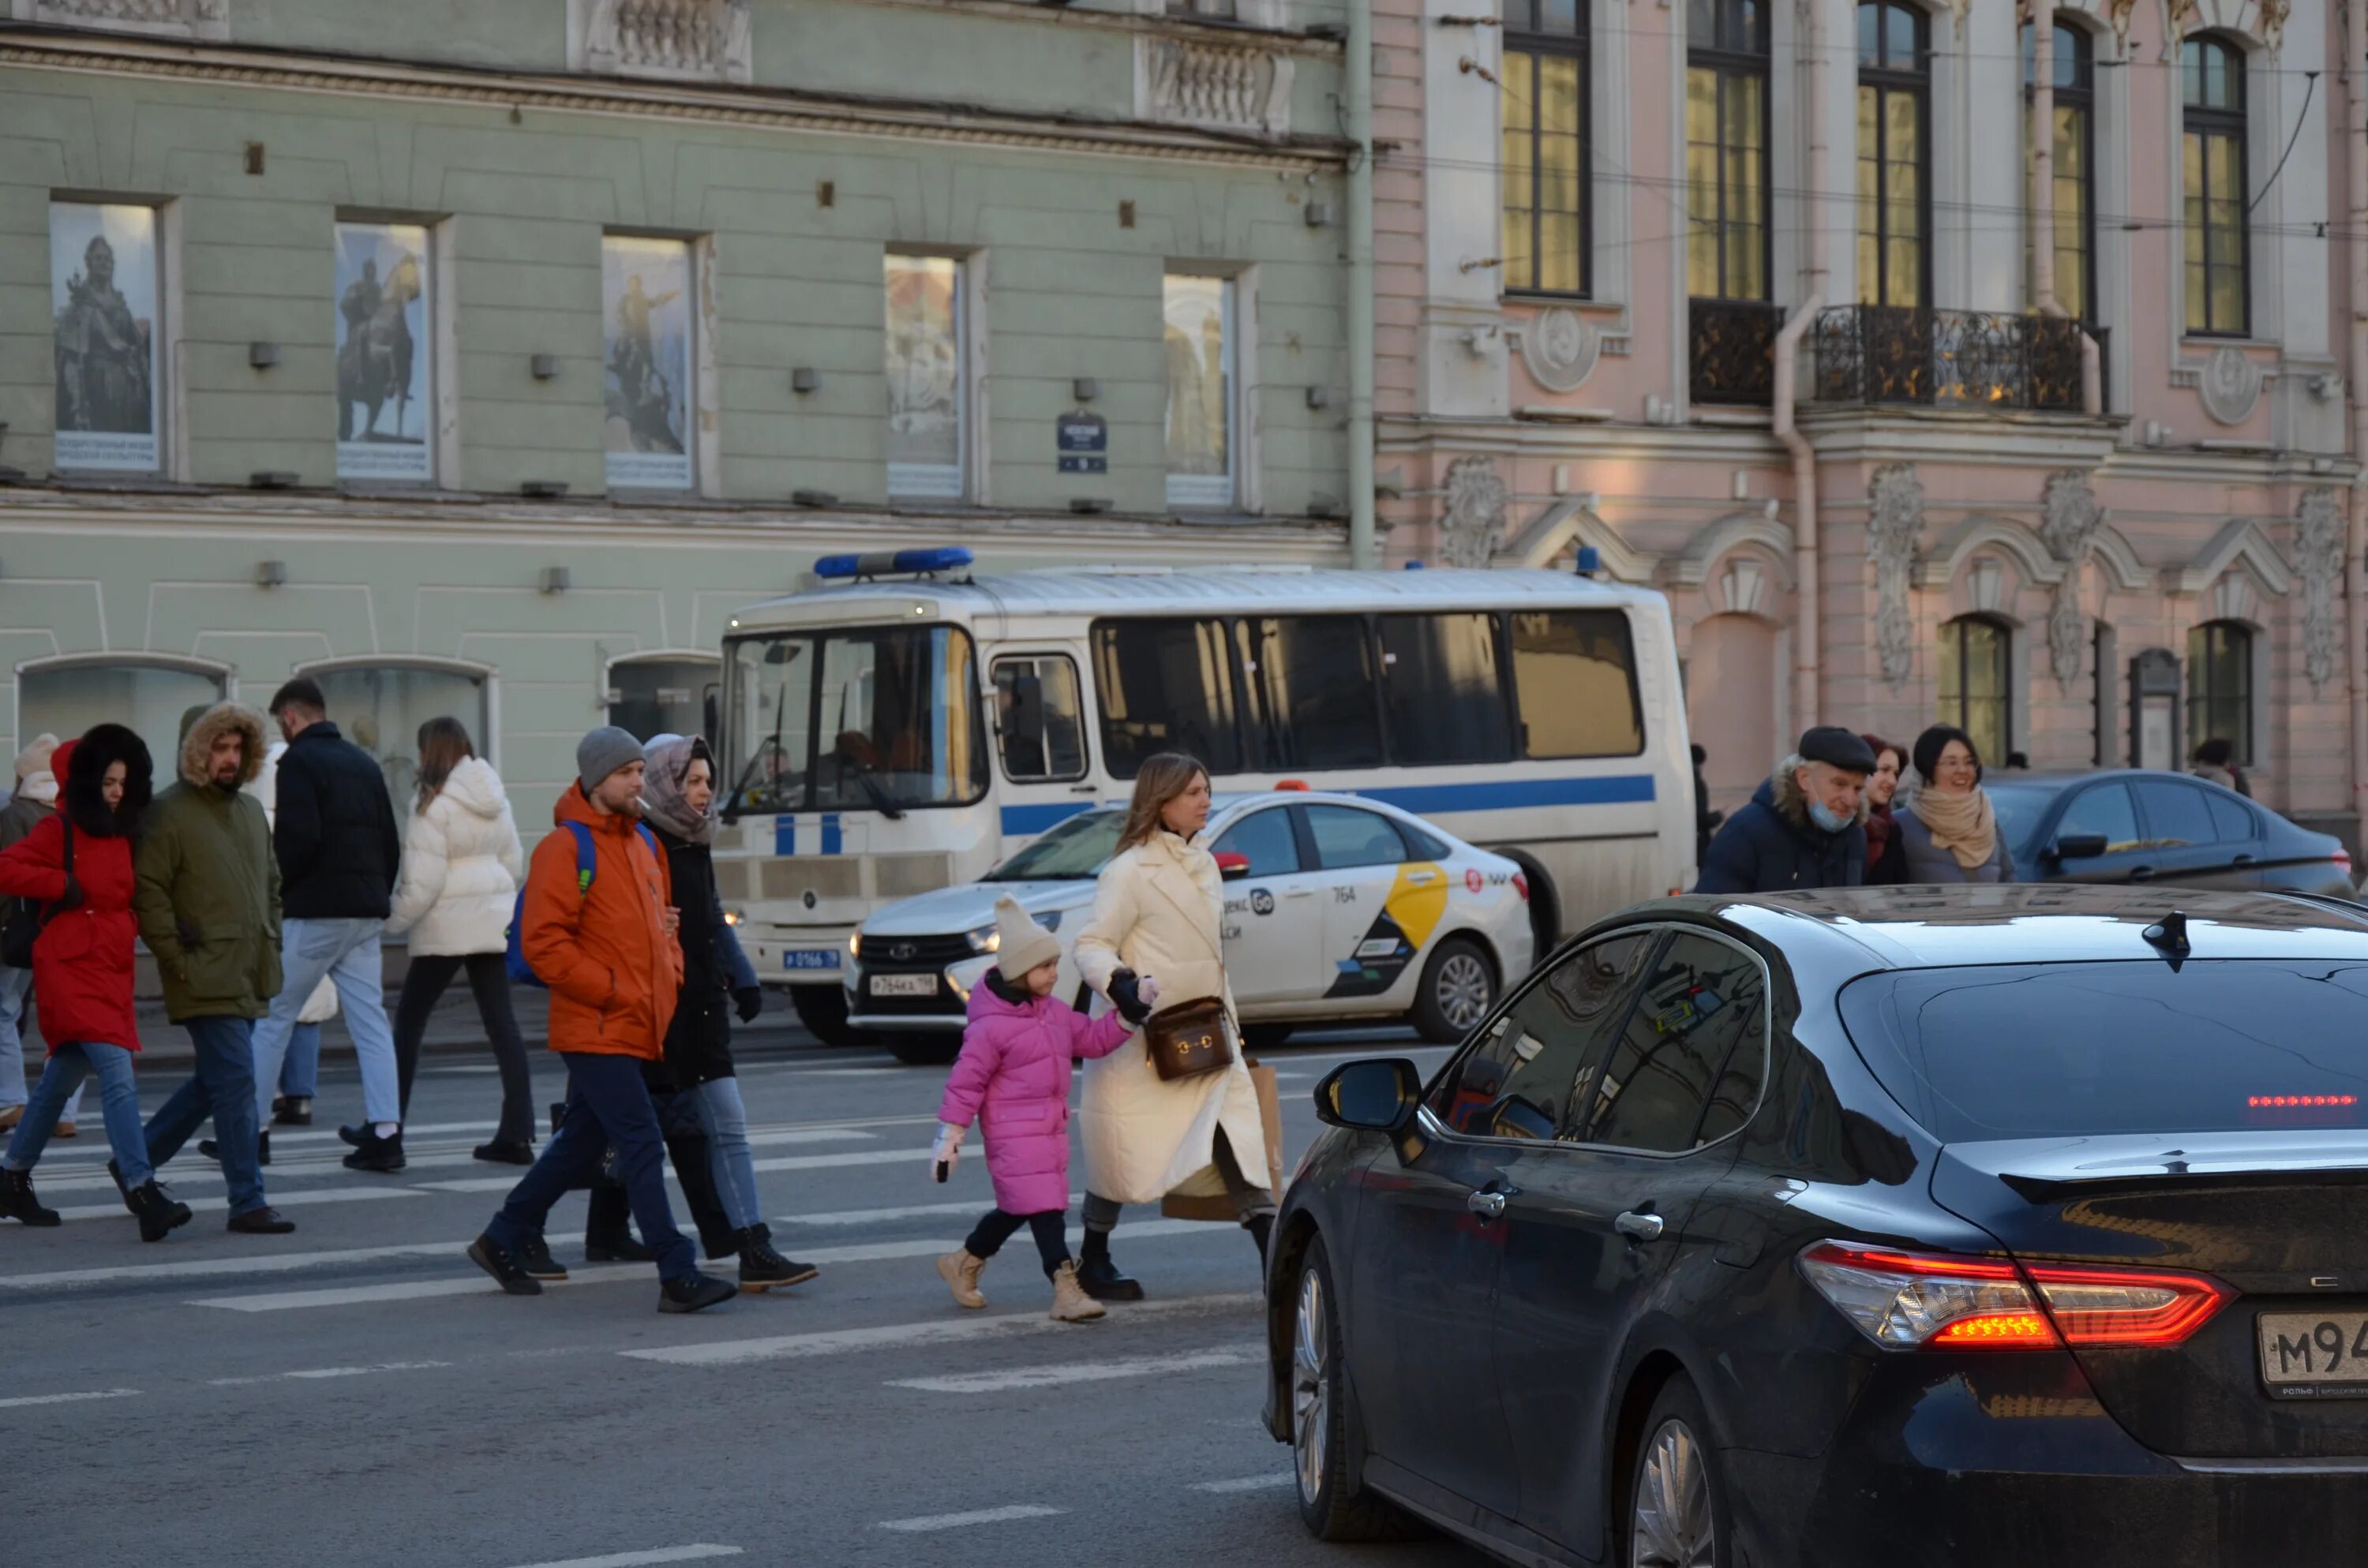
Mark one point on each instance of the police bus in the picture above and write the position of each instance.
(907, 725)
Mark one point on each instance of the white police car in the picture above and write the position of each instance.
(1337, 908)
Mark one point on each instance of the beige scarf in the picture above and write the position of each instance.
(1962, 825)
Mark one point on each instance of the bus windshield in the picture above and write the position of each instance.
(855, 719)
(1076, 851)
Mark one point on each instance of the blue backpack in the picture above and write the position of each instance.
(587, 862)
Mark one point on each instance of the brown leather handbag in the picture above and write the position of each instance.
(1189, 1039)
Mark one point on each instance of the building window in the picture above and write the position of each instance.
(2075, 83)
(105, 300)
(1978, 684)
(2213, 78)
(2220, 687)
(649, 301)
(679, 696)
(64, 699)
(381, 707)
(927, 378)
(1727, 148)
(386, 396)
(1547, 148)
(1894, 182)
(1201, 445)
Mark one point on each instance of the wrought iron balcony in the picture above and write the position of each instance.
(1731, 346)
(1890, 354)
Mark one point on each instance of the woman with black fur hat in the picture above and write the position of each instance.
(76, 867)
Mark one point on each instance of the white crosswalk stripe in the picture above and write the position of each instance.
(1008, 1513)
(1005, 1379)
(941, 1331)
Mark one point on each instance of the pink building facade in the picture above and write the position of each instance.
(1742, 295)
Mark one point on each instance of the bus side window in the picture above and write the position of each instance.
(1575, 672)
(1445, 695)
(1165, 686)
(1037, 714)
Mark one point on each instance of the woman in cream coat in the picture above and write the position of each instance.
(1157, 918)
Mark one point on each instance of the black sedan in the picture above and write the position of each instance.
(2134, 824)
(1988, 1225)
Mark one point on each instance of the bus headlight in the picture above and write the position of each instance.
(985, 940)
(733, 917)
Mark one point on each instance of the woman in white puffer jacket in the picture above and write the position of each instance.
(462, 864)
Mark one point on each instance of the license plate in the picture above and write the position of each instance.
(810, 958)
(2315, 1355)
(904, 985)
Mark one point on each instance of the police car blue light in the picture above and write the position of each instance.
(887, 563)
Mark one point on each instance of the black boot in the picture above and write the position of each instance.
(695, 1294)
(717, 1236)
(159, 1212)
(292, 1110)
(1100, 1275)
(377, 1153)
(606, 1237)
(17, 1202)
(1262, 1230)
(762, 1268)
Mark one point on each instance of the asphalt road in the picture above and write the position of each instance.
(358, 1393)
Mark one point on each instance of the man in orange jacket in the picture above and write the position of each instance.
(607, 949)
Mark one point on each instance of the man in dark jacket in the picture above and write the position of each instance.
(337, 845)
(1804, 828)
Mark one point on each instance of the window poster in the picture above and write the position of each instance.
(103, 295)
(925, 377)
(1200, 391)
(385, 403)
(646, 289)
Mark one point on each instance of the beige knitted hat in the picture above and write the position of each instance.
(1024, 943)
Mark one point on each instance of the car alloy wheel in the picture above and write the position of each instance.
(1311, 1398)
(1463, 989)
(1672, 1525)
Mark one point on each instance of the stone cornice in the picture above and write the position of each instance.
(772, 108)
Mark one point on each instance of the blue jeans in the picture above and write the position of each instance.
(16, 986)
(223, 1088)
(348, 952)
(300, 1074)
(606, 1104)
(118, 1099)
(723, 1116)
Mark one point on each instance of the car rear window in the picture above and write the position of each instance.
(2046, 1050)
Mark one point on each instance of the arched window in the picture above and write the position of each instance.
(2075, 84)
(1978, 683)
(379, 705)
(2220, 687)
(1546, 178)
(1894, 164)
(66, 697)
(2219, 299)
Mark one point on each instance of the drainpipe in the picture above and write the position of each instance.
(2043, 204)
(1361, 551)
(1808, 706)
(2355, 571)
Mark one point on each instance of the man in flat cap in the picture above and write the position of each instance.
(1804, 828)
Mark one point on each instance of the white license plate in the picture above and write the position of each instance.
(2315, 1355)
(904, 985)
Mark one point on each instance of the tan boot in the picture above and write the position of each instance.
(64, 1130)
(1070, 1303)
(960, 1269)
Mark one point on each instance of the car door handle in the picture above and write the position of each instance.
(1418, 879)
(1486, 1204)
(1639, 1227)
(1299, 893)
(2141, 873)
(2241, 860)
(1083, 788)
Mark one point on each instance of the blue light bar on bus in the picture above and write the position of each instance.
(887, 563)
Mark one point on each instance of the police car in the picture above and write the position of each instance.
(1337, 908)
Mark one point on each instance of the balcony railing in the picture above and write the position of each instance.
(1890, 354)
(1731, 345)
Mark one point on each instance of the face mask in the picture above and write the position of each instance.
(1832, 821)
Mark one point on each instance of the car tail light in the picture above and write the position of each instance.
(1914, 1300)
(1521, 886)
(2343, 858)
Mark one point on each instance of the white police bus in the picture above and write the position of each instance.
(906, 727)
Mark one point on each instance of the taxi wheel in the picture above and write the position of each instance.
(1458, 986)
(918, 1049)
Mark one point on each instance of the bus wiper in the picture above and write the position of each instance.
(878, 793)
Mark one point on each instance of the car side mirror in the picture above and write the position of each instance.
(1378, 1094)
(1232, 865)
(2078, 847)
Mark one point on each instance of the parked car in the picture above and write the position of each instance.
(2134, 824)
(1336, 907)
(2022, 1224)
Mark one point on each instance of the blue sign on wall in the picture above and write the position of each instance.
(1085, 442)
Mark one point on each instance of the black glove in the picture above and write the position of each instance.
(71, 897)
(748, 1001)
(1124, 997)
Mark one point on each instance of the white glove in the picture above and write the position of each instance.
(1148, 990)
(946, 1151)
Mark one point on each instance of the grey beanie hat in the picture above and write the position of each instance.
(603, 752)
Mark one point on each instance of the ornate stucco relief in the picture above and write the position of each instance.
(1895, 517)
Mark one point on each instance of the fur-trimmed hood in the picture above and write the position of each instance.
(85, 764)
(1784, 793)
(197, 741)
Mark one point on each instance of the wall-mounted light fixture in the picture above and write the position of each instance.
(1316, 214)
(1085, 389)
(1319, 397)
(806, 378)
(555, 579)
(263, 356)
(543, 366)
(270, 574)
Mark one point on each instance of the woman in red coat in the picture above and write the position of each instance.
(77, 865)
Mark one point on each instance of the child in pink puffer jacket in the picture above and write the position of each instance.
(1017, 1054)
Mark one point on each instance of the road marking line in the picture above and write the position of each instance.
(1007, 1514)
(908, 1212)
(413, 1290)
(918, 1157)
(263, 1263)
(691, 1553)
(1076, 1373)
(942, 1331)
(1247, 1484)
(279, 1200)
(316, 1372)
(23, 1400)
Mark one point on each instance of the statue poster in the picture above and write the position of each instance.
(925, 377)
(103, 293)
(385, 403)
(646, 293)
(1200, 332)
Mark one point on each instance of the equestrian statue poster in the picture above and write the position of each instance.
(645, 288)
(385, 406)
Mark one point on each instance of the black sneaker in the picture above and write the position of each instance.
(263, 1222)
(536, 1259)
(762, 1268)
(213, 1150)
(499, 1152)
(505, 1269)
(695, 1294)
(376, 1154)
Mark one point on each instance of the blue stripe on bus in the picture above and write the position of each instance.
(1030, 820)
(785, 835)
(830, 836)
(1503, 795)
